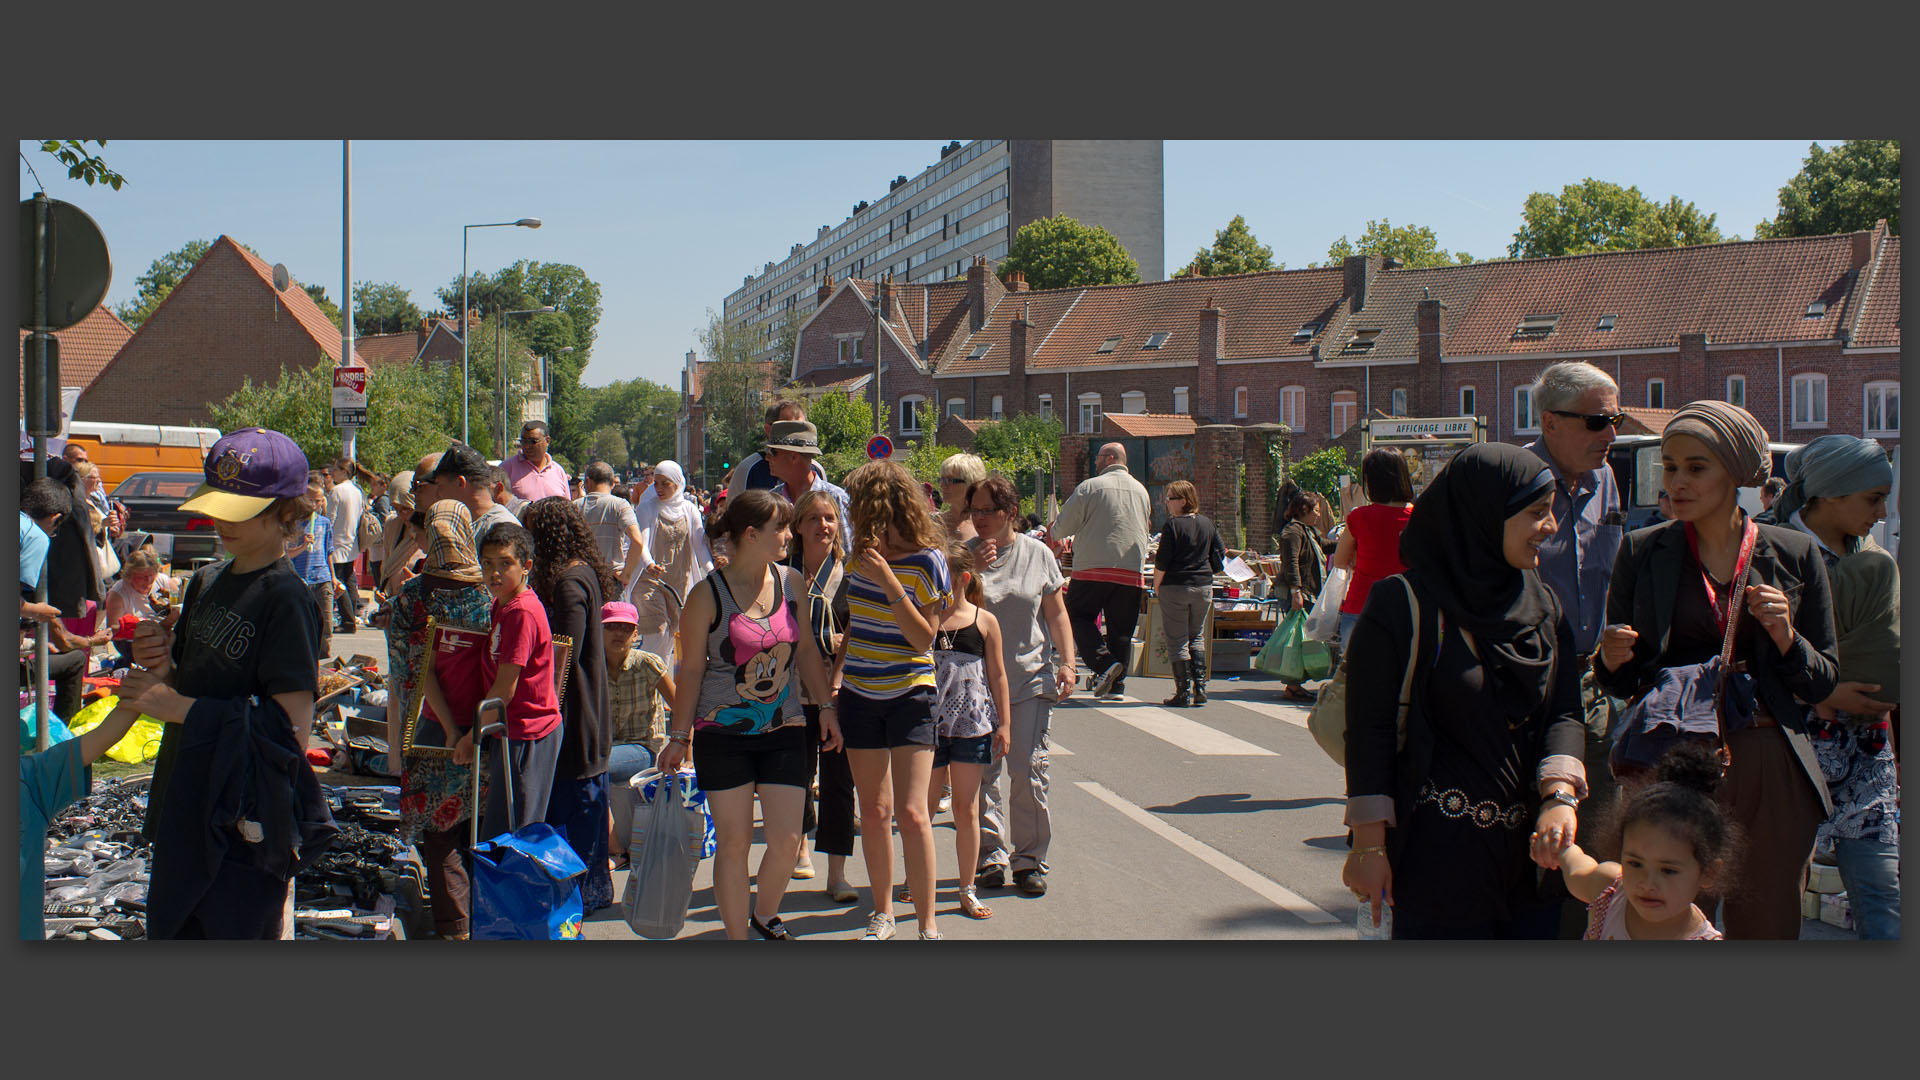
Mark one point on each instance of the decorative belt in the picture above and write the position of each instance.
(1485, 814)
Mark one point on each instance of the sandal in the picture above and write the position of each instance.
(772, 930)
(903, 895)
(971, 907)
(1298, 693)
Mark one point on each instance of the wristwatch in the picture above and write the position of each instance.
(1565, 798)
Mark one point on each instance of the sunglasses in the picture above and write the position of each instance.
(952, 480)
(977, 511)
(1595, 421)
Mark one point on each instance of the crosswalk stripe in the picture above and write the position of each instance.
(1282, 897)
(1189, 735)
(1271, 709)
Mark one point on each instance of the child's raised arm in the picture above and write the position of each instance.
(1586, 878)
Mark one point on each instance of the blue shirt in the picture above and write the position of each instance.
(311, 554)
(839, 496)
(50, 781)
(33, 551)
(1577, 561)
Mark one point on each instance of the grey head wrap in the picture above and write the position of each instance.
(1829, 467)
(1731, 433)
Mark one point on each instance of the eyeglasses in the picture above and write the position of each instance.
(1595, 421)
(978, 511)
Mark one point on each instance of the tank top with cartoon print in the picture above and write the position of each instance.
(965, 704)
(748, 688)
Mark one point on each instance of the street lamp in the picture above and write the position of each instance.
(504, 316)
(465, 330)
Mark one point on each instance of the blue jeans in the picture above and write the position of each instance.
(1871, 872)
(1347, 620)
(624, 762)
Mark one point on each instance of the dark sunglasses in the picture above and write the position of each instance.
(1595, 421)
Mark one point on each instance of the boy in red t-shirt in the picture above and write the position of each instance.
(518, 668)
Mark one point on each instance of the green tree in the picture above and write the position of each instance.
(610, 446)
(383, 308)
(327, 307)
(1595, 215)
(1844, 189)
(153, 286)
(411, 411)
(1234, 251)
(1321, 471)
(1413, 246)
(845, 424)
(643, 411)
(576, 297)
(1061, 253)
(81, 163)
(733, 386)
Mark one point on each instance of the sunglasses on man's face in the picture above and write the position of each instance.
(1594, 421)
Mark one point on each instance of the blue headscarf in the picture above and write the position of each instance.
(1829, 467)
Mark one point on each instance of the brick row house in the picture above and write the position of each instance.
(1317, 349)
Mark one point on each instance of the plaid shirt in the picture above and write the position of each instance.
(639, 712)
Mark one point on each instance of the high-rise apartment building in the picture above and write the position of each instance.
(929, 227)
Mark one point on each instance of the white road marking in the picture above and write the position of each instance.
(1189, 735)
(1274, 709)
(1282, 897)
(1056, 749)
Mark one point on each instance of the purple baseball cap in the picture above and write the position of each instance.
(246, 471)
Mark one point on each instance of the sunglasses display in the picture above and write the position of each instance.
(1594, 421)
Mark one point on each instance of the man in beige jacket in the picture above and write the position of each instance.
(1107, 517)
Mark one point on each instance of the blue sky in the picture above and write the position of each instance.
(669, 228)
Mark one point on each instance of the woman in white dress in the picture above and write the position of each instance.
(675, 540)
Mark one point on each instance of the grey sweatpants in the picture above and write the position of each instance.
(1183, 619)
(1026, 761)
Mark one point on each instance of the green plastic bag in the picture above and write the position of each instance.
(141, 742)
(1292, 655)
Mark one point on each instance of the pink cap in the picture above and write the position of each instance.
(619, 611)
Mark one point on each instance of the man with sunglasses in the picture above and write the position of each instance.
(532, 474)
(1579, 408)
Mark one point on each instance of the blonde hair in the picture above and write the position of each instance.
(885, 496)
(967, 467)
(143, 557)
(960, 561)
(1188, 495)
(806, 506)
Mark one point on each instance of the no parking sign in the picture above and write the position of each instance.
(879, 448)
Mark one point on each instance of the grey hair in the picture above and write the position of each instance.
(1562, 384)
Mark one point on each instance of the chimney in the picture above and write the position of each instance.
(1862, 248)
(1430, 321)
(1355, 273)
(825, 290)
(1017, 363)
(977, 276)
(1018, 283)
(1207, 381)
(1693, 373)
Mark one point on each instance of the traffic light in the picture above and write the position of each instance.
(726, 466)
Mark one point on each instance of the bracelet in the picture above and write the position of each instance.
(896, 599)
(1365, 851)
(680, 737)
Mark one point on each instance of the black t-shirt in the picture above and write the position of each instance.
(587, 721)
(239, 635)
(1190, 550)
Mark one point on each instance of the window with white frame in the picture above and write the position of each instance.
(1399, 402)
(1133, 401)
(1239, 401)
(1737, 390)
(1656, 393)
(1469, 403)
(911, 409)
(1293, 407)
(1180, 400)
(1524, 420)
(1883, 408)
(957, 407)
(999, 410)
(1090, 421)
(1809, 401)
(859, 350)
(1046, 406)
(1345, 404)
(846, 350)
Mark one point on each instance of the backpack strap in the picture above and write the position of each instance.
(1413, 654)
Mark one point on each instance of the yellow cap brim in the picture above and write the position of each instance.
(224, 505)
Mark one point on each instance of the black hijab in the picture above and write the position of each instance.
(1452, 548)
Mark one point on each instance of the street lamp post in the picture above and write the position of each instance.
(504, 316)
(465, 330)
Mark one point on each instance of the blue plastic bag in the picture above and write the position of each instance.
(57, 732)
(526, 887)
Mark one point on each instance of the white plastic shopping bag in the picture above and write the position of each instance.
(1323, 624)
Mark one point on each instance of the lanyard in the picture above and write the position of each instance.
(1739, 572)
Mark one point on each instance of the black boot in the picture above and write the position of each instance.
(1198, 666)
(1181, 699)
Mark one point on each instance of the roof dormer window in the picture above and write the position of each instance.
(1156, 339)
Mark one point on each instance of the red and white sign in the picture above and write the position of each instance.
(350, 396)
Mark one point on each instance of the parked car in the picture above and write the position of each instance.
(153, 503)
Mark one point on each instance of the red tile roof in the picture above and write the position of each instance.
(85, 348)
(1646, 421)
(388, 348)
(1879, 325)
(1149, 425)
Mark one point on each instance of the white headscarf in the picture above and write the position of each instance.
(652, 507)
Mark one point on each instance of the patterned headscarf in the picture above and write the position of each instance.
(450, 552)
(1731, 433)
(1829, 467)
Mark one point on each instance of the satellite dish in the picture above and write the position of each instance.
(281, 279)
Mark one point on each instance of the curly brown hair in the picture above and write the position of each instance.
(885, 496)
(560, 536)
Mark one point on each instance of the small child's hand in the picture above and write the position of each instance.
(463, 750)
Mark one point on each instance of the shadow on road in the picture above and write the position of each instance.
(1260, 918)
(1240, 803)
(1327, 843)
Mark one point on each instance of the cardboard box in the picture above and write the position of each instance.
(1809, 905)
(1836, 911)
(1825, 880)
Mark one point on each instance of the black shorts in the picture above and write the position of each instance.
(975, 751)
(728, 759)
(884, 723)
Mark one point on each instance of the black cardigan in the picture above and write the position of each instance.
(1646, 581)
(587, 735)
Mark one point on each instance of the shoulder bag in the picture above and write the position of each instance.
(1328, 720)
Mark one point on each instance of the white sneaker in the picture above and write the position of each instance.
(879, 928)
(946, 802)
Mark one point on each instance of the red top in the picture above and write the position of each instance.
(1376, 532)
(521, 636)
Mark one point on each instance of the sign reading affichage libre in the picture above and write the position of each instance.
(350, 396)
(1450, 427)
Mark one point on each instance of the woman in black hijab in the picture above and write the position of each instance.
(1494, 738)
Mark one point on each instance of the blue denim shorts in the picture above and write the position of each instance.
(974, 751)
